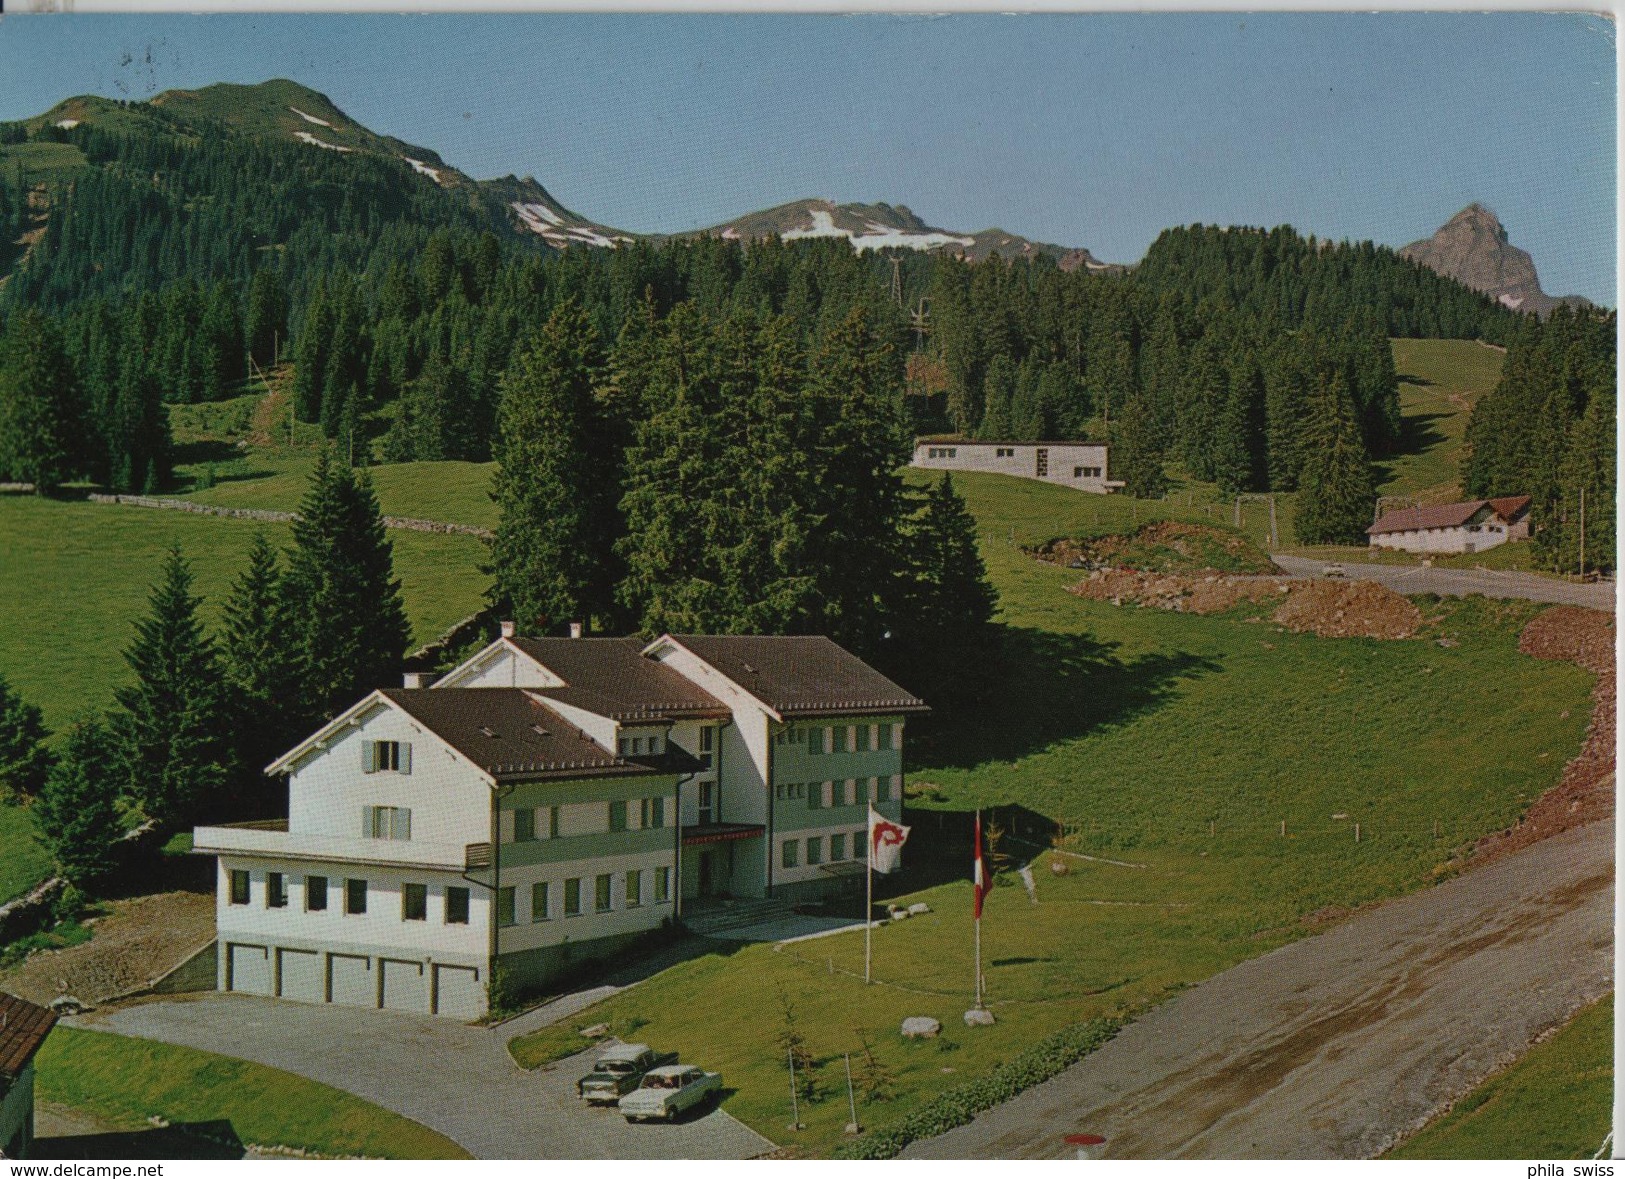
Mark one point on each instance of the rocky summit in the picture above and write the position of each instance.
(1473, 249)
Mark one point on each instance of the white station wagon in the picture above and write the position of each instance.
(669, 1090)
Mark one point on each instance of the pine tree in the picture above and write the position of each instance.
(266, 326)
(350, 631)
(38, 403)
(552, 552)
(173, 722)
(76, 812)
(261, 665)
(1238, 441)
(24, 759)
(1134, 457)
(1337, 491)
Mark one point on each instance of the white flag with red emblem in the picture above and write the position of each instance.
(981, 878)
(885, 841)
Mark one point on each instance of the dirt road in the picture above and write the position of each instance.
(1335, 1046)
(1492, 583)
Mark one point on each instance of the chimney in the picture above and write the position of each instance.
(576, 629)
(417, 679)
(507, 628)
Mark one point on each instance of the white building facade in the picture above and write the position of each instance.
(1469, 527)
(547, 802)
(1080, 465)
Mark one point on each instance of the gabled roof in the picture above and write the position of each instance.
(800, 675)
(1430, 516)
(23, 1028)
(1509, 507)
(511, 734)
(613, 678)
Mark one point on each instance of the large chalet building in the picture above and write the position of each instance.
(1468, 527)
(546, 802)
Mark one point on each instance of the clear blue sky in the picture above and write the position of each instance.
(1095, 130)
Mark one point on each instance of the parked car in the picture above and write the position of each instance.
(1333, 571)
(618, 1070)
(669, 1090)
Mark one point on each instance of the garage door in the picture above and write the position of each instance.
(350, 981)
(299, 975)
(406, 985)
(457, 992)
(248, 969)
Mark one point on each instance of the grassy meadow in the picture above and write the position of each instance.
(124, 1081)
(1555, 1103)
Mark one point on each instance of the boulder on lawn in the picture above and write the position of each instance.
(978, 1017)
(899, 914)
(596, 1032)
(68, 1005)
(918, 908)
(921, 1027)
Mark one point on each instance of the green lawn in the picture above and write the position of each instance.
(1555, 1103)
(125, 1082)
(23, 861)
(1137, 729)
(1440, 382)
(75, 576)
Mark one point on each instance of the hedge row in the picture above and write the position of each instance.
(954, 1107)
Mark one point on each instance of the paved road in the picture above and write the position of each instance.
(1492, 583)
(451, 1077)
(1334, 1046)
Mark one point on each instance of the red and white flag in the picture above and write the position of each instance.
(981, 878)
(885, 841)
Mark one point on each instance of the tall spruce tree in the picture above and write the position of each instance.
(38, 403)
(77, 812)
(553, 552)
(350, 629)
(1134, 456)
(24, 758)
(262, 670)
(1337, 492)
(173, 722)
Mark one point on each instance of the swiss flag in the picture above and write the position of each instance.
(981, 878)
(885, 841)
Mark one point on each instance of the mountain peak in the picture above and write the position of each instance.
(1473, 248)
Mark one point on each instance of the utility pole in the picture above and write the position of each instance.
(1582, 532)
(897, 280)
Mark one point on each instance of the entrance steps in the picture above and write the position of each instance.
(719, 918)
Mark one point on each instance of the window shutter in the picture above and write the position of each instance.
(406, 757)
(403, 823)
(366, 822)
(369, 757)
(505, 826)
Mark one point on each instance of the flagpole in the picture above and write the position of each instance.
(977, 909)
(868, 901)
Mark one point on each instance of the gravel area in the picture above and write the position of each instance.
(1338, 1045)
(134, 942)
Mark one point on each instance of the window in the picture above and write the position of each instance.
(634, 889)
(617, 816)
(815, 796)
(456, 906)
(951, 452)
(552, 822)
(657, 744)
(239, 886)
(789, 791)
(706, 794)
(1077, 472)
(789, 854)
(386, 822)
(818, 740)
(505, 906)
(652, 812)
(276, 891)
(707, 745)
(601, 894)
(315, 894)
(837, 848)
(1004, 452)
(524, 825)
(815, 851)
(414, 902)
(539, 909)
(860, 845)
(572, 897)
(386, 755)
(355, 897)
(662, 885)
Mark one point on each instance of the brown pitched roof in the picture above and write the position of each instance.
(1508, 507)
(801, 674)
(611, 677)
(510, 734)
(23, 1028)
(1430, 516)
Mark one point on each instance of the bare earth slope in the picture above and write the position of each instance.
(1338, 1045)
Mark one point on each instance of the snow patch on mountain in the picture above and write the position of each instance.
(310, 118)
(423, 169)
(537, 216)
(314, 142)
(547, 223)
(67, 124)
(880, 237)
